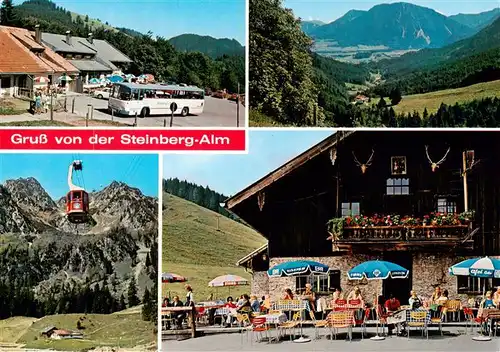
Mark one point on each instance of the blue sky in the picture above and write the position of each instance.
(229, 174)
(330, 10)
(167, 18)
(99, 170)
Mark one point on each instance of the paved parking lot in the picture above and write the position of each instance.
(217, 113)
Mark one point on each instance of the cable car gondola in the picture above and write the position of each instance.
(77, 199)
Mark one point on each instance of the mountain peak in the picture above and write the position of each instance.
(399, 26)
(29, 194)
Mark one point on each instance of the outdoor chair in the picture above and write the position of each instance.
(289, 325)
(317, 324)
(261, 328)
(452, 306)
(418, 320)
(341, 304)
(381, 318)
(471, 319)
(354, 302)
(244, 324)
(341, 320)
(366, 319)
(168, 321)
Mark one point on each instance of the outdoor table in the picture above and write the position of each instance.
(490, 315)
(402, 316)
(275, 318)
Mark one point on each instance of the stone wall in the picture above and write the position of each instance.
(429, 271)
(369, 289)
(260, 284)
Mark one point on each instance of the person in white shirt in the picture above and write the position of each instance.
(189, 296)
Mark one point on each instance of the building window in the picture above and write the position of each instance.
(350, 209)
(475, 285)
(320, 283)
(69, 56)
(446, 206)
(398, 186)
(88, 57)
(398, 165)
(78, 57)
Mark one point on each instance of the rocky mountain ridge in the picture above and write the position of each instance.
(399, 26)
(55, 255)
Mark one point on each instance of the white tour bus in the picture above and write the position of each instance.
(155, 99)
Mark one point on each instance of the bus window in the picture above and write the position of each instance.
(124, 93)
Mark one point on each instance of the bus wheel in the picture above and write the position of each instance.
(144, 112)
(184, 112)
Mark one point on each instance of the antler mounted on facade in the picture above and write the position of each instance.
(435, 165)
(261, 199)
(363, 166)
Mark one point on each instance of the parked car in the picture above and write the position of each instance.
(102, 93)
(219, 95)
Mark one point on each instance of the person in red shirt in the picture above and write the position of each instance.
(392, 305)
(230, 303)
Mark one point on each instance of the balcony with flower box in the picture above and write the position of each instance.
(400, 233)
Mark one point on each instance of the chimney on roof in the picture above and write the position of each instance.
(38, 34)
(91, 38)
(68, 37)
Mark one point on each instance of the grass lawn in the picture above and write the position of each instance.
(12, 106)
(112, 330)
(258, 119)
(193, 246)
(432, 101)
(13, 329)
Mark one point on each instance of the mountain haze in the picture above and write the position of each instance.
(477, 21)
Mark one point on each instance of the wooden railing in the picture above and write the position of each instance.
(403, 233)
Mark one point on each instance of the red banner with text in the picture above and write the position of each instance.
(122, 139)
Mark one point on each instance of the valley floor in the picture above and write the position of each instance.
(432, 101)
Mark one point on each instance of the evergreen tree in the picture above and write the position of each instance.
(7, 13)
(381, 104)
(395, 96)
(133, 299)
(147, 309)
(121, 304)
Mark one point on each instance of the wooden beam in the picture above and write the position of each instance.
(284, 170)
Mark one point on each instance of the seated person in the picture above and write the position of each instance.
(496, 297)
(414, 301)
(178, 316)
(310, 296)
(230, 303)
(246, 306)
(391, 305)
(288, 294)
(338, 294)
(443, 298)
(488, 302)
(435, 295)
(255, 304)
(355, 294)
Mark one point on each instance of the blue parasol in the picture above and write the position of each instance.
(299, 267)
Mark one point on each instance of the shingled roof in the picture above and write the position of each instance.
(21, 54)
